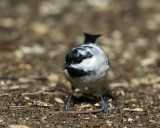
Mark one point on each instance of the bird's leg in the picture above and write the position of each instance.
(103, 103)
(68, 105)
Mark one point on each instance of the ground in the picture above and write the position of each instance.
(34, 39)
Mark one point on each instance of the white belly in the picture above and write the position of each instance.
(91, 82)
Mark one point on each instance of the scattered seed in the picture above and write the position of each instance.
(59, 100)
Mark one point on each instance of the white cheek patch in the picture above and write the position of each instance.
(89, 64)
(86, 64)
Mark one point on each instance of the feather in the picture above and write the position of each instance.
(88, 38)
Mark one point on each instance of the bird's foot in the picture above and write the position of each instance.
(104, 106)
(68, 106)
(103, 103)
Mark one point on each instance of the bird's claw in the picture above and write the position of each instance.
(67, 107)
(104, 106)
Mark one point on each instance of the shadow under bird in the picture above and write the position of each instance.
(86, 66)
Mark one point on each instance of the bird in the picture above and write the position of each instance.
(86, 66)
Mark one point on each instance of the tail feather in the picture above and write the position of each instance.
(88, 38)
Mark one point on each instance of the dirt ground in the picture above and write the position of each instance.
(34, 39)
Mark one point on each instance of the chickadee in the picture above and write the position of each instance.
(87, 66)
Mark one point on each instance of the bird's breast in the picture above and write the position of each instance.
(91, 81)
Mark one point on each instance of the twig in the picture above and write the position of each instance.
(36, 93)
(5, 94)
(18, 106)
(8, 78)
(79, 112)
(28, 77)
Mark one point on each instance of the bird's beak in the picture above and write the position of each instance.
(65, 66)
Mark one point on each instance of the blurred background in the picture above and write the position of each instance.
(35, 36)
